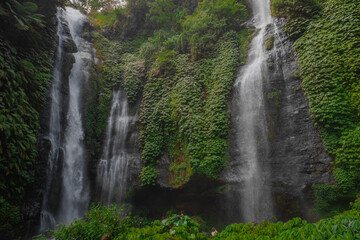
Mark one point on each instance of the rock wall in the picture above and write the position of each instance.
(296, 156)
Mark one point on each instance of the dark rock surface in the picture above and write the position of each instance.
(296, 155)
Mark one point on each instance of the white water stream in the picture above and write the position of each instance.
(75, 195)
(251, 122)
(67, 159)
(113, 167)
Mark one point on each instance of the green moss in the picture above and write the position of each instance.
(271, 65)
(298, 88)
(269, 43)
(275, 96)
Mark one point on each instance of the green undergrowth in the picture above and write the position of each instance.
(101, 221)
(329, 58)
(343, 226)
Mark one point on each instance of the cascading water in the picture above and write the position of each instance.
(67, 158)
(75, 195)
(251, 122)
(113, 167)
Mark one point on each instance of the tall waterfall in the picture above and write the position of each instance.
(67, 192)
(113, 167)
(75, 195)
(251, 122)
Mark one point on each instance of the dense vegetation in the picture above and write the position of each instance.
(328, 54)
(183, 69)
(25, 65)
(109, 223)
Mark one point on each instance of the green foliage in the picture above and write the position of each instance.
(22, 15)
(330, 67)
(298, 13)
(348, 154)
(133, 73)
(101, 220)
(184, 107)
(9, 215)
(23, 90)
(275, 96)
(201, 30)
(165, 13)
(97, 110)
(148, 175)
(162, 39)
(104, 19)
(24, 81)
(344, 226)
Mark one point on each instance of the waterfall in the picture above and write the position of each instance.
(113, 166)
(75, 196)
(66, 195)
(251, 123)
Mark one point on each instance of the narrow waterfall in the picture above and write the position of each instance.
(251, 122)
(67, 191)
(113, 167)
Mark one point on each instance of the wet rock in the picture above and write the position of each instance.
(296, 156)
(68, 61)
(68, 43)
(163, 172)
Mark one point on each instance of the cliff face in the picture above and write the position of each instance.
(295, 157)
